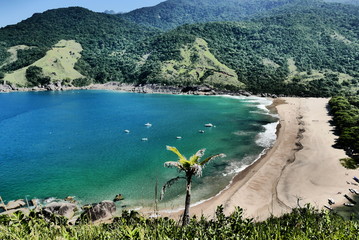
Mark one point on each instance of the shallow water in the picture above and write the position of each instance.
(55, 144)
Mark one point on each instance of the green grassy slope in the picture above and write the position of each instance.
(58, 64)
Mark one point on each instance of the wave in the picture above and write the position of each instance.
(267, 138)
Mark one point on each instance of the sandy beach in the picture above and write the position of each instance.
(302, 167)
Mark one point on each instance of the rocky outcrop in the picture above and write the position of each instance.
(59, 208)
(99, 211)
(5, 88)
(15, 204)
(25, 211)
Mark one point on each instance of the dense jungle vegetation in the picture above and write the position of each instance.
(345, 112)
(303, 48)
(302, 223)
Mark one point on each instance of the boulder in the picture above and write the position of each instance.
(34, 202)
(25, 211)
(15, 204)
(99, 211)
(5, 88)
(63, 209)
(70, 199)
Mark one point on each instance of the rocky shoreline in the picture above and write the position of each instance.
(125, 87)
(50, 209)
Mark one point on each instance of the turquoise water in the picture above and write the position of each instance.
(55, 144)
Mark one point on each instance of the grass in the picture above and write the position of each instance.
(13, 54)
(58, 64)
(199, 66)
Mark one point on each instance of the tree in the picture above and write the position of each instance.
(191, 167)
(35, 76)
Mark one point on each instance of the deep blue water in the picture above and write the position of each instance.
(55, 144)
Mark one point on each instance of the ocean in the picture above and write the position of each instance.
(73, 143)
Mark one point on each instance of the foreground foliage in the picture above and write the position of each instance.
(304, 223)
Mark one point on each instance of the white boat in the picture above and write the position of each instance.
(328, 207)
(148, 124)
(127, 131)
(178, 137)
(208, 125)
(354, 191)
(144, 139)
(349, 204)
(201, 131)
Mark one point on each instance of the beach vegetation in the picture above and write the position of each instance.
(301, 223)
(345, 111)
(191, 167)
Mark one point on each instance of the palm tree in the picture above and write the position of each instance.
(191, 167)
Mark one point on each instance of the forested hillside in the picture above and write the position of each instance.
(173, 13)
(306, 48)
(304, 52)
(103, 38)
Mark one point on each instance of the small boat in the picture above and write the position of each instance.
(148, 125)
(127, 131)
(144, 139)
(349, 204)
(328, 207)
(178, 137)
(331, 201)
(350, 199)
(208, 125)
(354, 191)
(201, 131)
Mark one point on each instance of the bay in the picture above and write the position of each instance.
(56, 144)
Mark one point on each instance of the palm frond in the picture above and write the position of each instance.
(197, 170)
(172, 164)
(175, 150)
(221, 155)
(169, 184)
(197, 156)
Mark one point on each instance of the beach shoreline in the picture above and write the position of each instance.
(301, 167)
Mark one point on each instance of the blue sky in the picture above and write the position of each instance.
(14, 11)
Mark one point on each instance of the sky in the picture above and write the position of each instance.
(14, 11)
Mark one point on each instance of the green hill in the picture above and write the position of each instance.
(103, 37)
(305, 49)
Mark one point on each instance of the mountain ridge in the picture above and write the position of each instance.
(309, 50)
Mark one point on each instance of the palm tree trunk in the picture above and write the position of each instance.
(185, 219)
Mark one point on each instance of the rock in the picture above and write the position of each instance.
(63, 209)
(34, 202)
(70, 199)
(50, 87)
(247, 94)
(118, 197)
(25, 211)
(99, 211)
(15, 204)
(5, 88)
